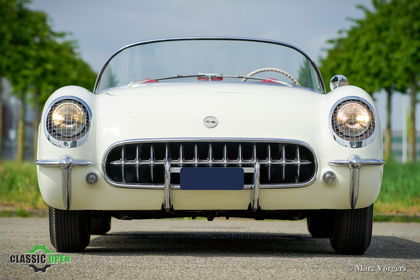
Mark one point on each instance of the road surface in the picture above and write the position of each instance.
(198, 249)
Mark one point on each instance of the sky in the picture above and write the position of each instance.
(101, 27)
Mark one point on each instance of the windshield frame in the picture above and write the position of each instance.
(318, 73)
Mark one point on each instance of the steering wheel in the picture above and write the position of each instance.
(268, 69)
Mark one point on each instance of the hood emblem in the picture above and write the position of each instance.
(210, 122)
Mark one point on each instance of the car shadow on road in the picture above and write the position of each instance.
(239, 244)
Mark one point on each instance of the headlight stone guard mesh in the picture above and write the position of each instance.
(55, 134)
(340, 130)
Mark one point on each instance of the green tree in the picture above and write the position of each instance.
(7, 19)
(36, 60)
(25, 72)
(380, 51)
(19, 31)
(59, 65)
(406, 28)
(305, 74)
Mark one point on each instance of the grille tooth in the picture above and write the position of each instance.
(181, 155)
(254, 153)
(283, 160)
(195, 155)
(123, 163)
(137, 163)
(151, 162)
(224, 155)
(240, 155)
(143, 163)
(269, 162)
(297, 163)
(210, 154)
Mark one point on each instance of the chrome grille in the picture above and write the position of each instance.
(143, 163)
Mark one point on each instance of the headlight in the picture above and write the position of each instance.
(353, 121)
(68, 121)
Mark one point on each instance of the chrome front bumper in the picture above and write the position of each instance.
(354, 164)
(65, 164)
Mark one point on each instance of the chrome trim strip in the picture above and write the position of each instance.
(362, 162)
(178, 187)
(206, 162)
(246, 169)
(283, 162)
(354, 164)
(246, 187)
(65, 164)
(72, 143)
(209, 139)
(175, 187)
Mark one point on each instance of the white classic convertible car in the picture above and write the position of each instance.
(211, 127)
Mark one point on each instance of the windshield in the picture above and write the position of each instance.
(198, 60)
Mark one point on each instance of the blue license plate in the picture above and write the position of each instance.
(212, 178)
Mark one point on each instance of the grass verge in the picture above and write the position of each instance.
(19, 190)
(400, 192)
(396, 218)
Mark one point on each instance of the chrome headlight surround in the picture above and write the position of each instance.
(68, 138)
(346, 138)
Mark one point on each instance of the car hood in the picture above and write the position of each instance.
(178, 111)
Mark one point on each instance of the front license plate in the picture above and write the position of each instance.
(212, 178)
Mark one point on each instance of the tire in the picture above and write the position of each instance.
(100, 224)
(319, 224)
(352, 231)
(69, 230)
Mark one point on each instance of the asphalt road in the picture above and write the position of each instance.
(234, 249)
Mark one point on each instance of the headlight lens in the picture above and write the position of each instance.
(67, 120)
(353, 120)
